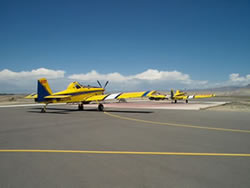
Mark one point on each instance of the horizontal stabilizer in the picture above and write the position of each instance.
(31, 96)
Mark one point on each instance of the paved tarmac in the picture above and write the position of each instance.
(86, 148)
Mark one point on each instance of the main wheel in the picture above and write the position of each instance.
(186, 101)
(100, 107)
(80, 107)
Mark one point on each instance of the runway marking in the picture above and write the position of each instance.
(125, 152)
(177, 125)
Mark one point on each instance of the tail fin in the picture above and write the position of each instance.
(177, 92)
(43, 89)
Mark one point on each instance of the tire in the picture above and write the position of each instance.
(80, 107)
(100, 107)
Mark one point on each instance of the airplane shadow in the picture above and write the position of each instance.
(58, 110)
(47, 112)
(67, 111)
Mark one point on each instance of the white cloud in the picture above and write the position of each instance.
(152, 74)
(25, 81)
(149, 79)
(93, 76)
(148, 75)
(34, 74)
(236, 78)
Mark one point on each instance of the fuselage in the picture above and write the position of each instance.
(79, 94)
(74, 93)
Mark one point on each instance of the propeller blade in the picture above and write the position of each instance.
(106, 84)
(99, 83)
(172, 94)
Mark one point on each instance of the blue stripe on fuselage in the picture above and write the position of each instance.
(145, 94)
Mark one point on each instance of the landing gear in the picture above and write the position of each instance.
(100, 107)
(80, 107)
(43, 110)
(175, 101)
(186, 101)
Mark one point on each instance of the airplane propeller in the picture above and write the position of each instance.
(106, 84)
(172, 94)
(101, 84)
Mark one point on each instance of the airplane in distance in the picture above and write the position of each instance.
(80, 94)
(179, 95)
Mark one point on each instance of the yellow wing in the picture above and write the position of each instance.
(204, 96)
(193, 97)
(96, 98)
(120, 96)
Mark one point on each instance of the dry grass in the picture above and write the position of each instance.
(14, 99)
(240, 106)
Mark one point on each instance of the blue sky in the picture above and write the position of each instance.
(208, 40)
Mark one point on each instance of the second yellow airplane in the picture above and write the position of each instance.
(179, 95)
(77, 93)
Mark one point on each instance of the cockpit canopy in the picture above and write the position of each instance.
(77, 85)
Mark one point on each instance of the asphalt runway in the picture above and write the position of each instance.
(123, 148)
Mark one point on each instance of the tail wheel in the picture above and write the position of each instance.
(43, 110)
(100, 107)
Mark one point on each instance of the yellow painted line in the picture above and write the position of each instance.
(125, 152)
(177, 125)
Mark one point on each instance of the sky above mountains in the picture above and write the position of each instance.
(135, 44)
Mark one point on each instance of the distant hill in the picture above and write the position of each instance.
(247, 86)
(225, 91)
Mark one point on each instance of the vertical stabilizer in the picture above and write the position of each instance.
(43, 89)
(177, 92)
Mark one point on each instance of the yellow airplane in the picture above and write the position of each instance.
(158, 96)
(77, 93)
(178, 95)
